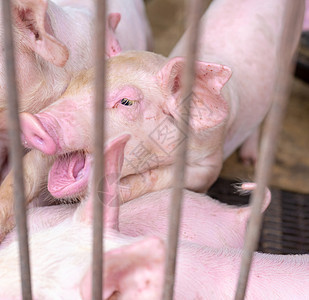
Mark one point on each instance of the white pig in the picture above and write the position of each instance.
(134, 266)
(55, 39)
(144, 96)
(130, 268)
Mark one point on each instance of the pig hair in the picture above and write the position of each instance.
(239, 188)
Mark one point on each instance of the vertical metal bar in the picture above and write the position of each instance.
(195, 11)
(16, 151)
(97, 184)
(268, 148)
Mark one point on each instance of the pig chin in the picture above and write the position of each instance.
(69, 175)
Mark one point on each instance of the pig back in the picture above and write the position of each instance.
(245, 36)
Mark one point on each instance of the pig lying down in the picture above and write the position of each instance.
(144, 99)
(211, 215)
(130, 268)
(204, 220)
(55, 40)
(134, 265)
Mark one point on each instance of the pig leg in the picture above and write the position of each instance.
(248, 152)
(36, 166)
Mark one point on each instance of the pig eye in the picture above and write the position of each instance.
(127, 102)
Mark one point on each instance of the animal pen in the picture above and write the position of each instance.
(263, 169)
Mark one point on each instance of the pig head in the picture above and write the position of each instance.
(54, 39)
(133, 267)
(144, 100)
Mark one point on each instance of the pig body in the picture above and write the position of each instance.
(60, 274)
(130, 267)
(208, 273)
(54, 41)
(250, 45)
(201, 273)
(204, 220)
(144, 96)
(134, 266)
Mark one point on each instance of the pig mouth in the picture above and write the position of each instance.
(69, 175)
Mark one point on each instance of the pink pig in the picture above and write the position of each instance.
(134, 266)
(245, 36)
(144, 99)
(55, 40)
(205, 221)
(132, 269)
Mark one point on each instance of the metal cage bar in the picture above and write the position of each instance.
(268, 148)
(195, 13)
(16, 151)
(98, 183)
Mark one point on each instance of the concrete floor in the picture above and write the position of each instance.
(291, 169)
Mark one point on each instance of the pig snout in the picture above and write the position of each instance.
(35, 135)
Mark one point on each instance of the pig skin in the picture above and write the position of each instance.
(132, 269)
(42, 81)
(134, 266)
(55, 40)
(226, 107)
(250, 45)
(204, 220)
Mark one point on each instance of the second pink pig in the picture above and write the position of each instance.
(134, 266)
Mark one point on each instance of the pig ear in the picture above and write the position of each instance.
(208, 107)
(114, 155)
(32, 20)
(113, 20)
(132, 271)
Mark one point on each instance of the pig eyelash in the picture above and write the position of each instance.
(127, 102)
(72, 200)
